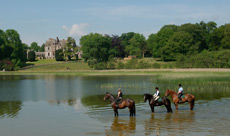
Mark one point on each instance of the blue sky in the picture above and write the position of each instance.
(38, 20)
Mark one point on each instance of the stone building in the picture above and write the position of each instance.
(52, 45)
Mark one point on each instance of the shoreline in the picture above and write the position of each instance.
(120, 71)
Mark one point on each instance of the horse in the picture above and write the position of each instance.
(123, 104)
(188, 98)
(165, 101)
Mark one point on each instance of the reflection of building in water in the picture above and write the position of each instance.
(121, 127)
(10, 109)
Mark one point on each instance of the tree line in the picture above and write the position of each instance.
(183, 44)
(170, 43)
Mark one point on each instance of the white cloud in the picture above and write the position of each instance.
(77, 30)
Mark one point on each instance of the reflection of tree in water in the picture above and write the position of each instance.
(178, 122)
(10, 109)
(121, 127)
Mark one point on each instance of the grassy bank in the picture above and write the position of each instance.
(169, 73)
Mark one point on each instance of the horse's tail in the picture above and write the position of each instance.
(168, 102)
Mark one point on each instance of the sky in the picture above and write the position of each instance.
(39, 20)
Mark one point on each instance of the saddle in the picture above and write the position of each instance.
(118, 101)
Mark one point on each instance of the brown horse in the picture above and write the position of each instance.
(188, 98)
(165, 101)
(123, 104)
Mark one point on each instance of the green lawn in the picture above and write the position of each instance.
(41, 62)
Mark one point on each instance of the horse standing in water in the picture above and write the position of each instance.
(165, 101)
(123, 104)
(187, 98)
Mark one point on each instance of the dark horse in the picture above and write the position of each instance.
(165, 101)
(187, 98)
(123, 104)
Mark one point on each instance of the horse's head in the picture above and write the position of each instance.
(107, 95)
(167, 92)
(147, 97)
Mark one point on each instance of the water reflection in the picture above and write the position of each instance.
(177, 122)
(10, 109)
(121, 127)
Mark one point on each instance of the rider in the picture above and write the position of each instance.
(180, 92)
(119, 96)
(156, 95)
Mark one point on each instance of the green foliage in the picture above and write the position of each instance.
(59, 55)
(7, 65)
(143, 65)
(206, 59)
(11, 48)
(156, 42)
(137, 46)
(120, 65)
(156, 65)
(100, 66)
(35, 47)
(31, 56)
(111, 63)
(95, 46)
(179, 43)
(225, 42)
(131, 64)
(69, 48)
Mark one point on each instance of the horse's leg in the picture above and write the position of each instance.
(134, 110)
(115, 112)
(192, 103)
(130, 111)
(176, 105)
(152, 108)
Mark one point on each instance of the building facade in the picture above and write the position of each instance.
(52, 45)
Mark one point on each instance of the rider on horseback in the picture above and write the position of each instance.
(180, 92)
(156, 95)
(119, 97)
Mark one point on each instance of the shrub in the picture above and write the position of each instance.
(100, 66)
(7, 65)
(120, 65)
(143, 64)
(156, 65)
(131, 64)
(31, 56)
(59, 55)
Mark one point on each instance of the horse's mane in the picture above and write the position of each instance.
(110, 94)
(172, 91)
(147, 94)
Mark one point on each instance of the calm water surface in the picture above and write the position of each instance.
(73, 106)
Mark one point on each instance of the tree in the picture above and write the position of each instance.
(69, 50)
(59, 55)
(42, 48)
(35, 47)
(117, 49)
(156, 42)
(95, 46)
(14, 43)
(225, 42)
(137, 46)
(215, 38)
(179, 44)
(198, 35)
(31, 56)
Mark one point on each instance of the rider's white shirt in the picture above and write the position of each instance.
(180, 90)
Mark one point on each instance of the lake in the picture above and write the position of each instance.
(52, 105)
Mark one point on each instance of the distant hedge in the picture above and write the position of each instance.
(206, 59)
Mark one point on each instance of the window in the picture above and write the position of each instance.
(48, 54)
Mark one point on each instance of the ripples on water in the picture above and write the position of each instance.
(63, 105)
